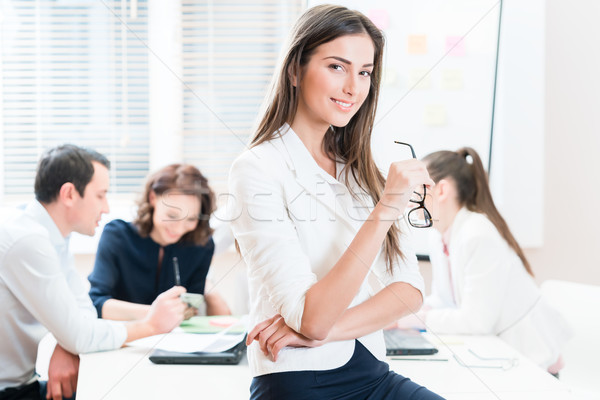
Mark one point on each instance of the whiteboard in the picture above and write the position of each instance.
(439, 75)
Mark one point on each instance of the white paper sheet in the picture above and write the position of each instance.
(182, 342)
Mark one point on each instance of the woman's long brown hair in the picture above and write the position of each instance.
(466, 170)
(350, 143)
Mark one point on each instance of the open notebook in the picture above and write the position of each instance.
(406, 342)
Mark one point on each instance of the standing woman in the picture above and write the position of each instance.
(482, 282)
(312, 216)
(134, 261)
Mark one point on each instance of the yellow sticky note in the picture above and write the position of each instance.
(419, 78)
(435, 115)
(417, 44)
(452, 79)
(389, 76)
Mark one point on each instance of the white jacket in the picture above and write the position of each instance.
(491, 292)
(293, 221)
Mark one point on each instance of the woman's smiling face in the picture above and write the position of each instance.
(336, 81)
(175, 214)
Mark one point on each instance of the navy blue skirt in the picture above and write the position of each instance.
(363, 377)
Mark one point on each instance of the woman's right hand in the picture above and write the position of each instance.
(273, 334)
(403, 177)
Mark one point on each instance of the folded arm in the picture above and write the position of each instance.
(262, 223)
(394, 301)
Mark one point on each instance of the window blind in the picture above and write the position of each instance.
(73, 72)
(77, 72)
(230, 51)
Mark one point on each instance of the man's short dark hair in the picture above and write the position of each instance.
(62, 164)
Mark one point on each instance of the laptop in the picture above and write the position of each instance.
(406, 342)
(230, 356)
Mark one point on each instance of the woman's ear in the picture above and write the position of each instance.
(442, 187)
(292, 75)
(152, 198)
(447, 190)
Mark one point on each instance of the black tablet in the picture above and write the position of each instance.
(231, 356)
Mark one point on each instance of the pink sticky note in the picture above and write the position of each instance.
(380, 18)
(223, 321)
(455, 46)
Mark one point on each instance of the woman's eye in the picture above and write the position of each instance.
(336, 67)
(365, 73)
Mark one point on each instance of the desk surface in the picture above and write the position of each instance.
(127, 374)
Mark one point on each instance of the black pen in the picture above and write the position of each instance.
(176, 271)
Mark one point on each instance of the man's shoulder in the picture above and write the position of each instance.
(20, 226)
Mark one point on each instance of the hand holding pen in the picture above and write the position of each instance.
(176, 271)
(192, 300)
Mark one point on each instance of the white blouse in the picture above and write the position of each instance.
(488, 291)
(293, 221)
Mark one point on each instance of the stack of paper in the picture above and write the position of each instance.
(206, 334)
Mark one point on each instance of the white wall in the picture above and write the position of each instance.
(517, 170)
(572, 144)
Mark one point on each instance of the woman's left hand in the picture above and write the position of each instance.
(273, 335)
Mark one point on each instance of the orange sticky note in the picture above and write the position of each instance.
(417, 44)
(455, 46)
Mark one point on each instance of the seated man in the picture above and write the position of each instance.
(40, 290)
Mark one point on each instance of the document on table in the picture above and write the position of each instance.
(180, 341)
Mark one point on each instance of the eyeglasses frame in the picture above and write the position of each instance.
(421, 203)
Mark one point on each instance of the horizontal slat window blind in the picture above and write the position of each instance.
(230, 50)
(73, 72)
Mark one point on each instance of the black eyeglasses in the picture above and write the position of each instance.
(419, 217)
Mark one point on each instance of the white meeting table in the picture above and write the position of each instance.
(128, 374)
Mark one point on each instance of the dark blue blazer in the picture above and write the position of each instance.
(127, 268)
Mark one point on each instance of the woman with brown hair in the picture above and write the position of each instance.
(134, 261)
(482, 282)
(313, 216)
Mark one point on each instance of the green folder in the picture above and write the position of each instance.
(213, 324)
